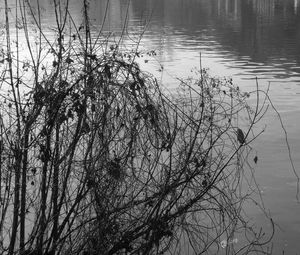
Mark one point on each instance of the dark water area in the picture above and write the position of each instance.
(245, 38)
(254, 38)
(242, 39)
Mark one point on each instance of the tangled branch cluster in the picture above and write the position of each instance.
(96, 159)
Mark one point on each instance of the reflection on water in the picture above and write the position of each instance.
(258, 37)
(242, 38)
(249, 37)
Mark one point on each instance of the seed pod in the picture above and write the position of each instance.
(240, 136)
(255, 159)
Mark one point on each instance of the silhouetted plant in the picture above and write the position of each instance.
(97, 159)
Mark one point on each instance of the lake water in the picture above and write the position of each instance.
(242, 39)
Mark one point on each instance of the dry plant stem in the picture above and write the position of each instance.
(16, 147)
(288, 146)
(24, 160)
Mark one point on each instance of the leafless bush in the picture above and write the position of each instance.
(96, 159)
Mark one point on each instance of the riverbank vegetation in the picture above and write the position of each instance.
(97, 159)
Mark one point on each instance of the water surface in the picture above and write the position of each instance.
(245, 40)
